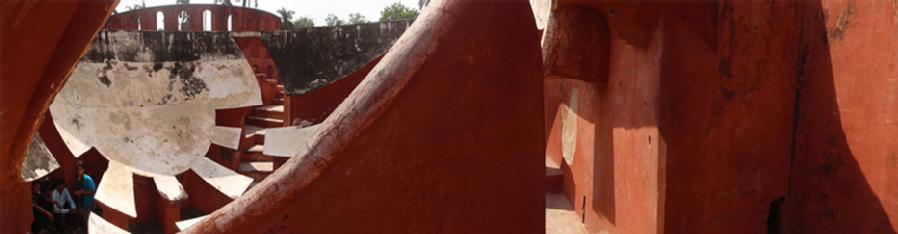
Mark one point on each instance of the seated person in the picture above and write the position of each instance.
(60, 197)
(41, 206)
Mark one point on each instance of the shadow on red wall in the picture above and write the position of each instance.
(828, 191)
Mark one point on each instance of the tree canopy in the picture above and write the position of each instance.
(398, 11)
(303, 22)
(423, 3)
(142, 5)
(357, 18)
(333, 20)
(286, 18)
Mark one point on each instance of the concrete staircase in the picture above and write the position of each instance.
(253, 163)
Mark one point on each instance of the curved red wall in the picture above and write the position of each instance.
(242, 19)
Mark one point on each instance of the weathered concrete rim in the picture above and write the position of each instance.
(351, 118)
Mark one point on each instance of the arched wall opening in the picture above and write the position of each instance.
(207, 20)
(230, 22)
(160, 21)
(183, 21)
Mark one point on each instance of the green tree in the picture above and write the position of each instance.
(397, 11)
(142, 5)
(286, 18)
(333, 20)
(357, 18)
(423, 3)
(303, 22)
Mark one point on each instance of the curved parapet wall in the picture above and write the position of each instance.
(310, 58)
(223, 17)
(429, 142)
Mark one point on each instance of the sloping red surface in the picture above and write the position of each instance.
(444, 135)
(40, 42)
(844, 174)
(735, 115)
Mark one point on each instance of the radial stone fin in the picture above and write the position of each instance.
(116, 190)
(98, 225)
(226, 136)
(223, 179)
(287, 141)
(184, 224)
(169, 188)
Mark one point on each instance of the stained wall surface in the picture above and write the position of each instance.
(845, 162)
(311, 58)
(727, 111)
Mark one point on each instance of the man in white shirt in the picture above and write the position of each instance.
(60, 197)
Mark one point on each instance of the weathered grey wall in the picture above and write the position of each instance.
(314, 57)
(39, 160)
(146, 101)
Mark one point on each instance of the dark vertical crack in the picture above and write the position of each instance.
(583, 210)
(796, 111)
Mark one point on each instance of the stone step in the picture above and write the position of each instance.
(254, 153)
(256, 149)
(554, 177)
(252, 130)
(270, 111)
(264, 122)
(252, 135)
(256, 157)
(256, 170)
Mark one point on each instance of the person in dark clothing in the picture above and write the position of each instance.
(42, 208)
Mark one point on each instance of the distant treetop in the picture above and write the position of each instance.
(398, 11)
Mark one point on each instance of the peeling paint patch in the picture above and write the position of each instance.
(842, 23)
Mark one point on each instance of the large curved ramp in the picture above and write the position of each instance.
(444, 135)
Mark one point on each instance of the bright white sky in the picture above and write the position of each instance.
(315, 9)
